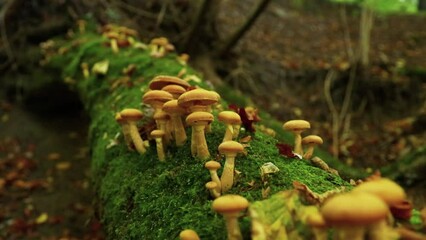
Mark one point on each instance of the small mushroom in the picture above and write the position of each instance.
(158, 136)
(297, 127)
(161, 119)
(125, 129)
(198, 121)
(352, 214)
(160, 81)
(188, 234)
(231, 206)
(198, 99)
(311, 141)
(156, 99)
(213, 166)
(175, 112)
(230, 119)
(132, 116)
(230, 149)
(175, 90)
(212, 187)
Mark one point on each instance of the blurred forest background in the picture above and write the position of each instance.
(356, 69)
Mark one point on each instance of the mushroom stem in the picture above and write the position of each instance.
(126, 134)
(229, 133)
(353, 232)
(201, 144)
(215, 178)
(160, 149)
(193, 142)
(227, 178)
(234, 232)
(136, 138)
(179, 130)
(298, 144)
(114, 45)
(236, 129)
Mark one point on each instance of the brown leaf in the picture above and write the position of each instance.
(63, 166)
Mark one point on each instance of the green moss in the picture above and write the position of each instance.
(141, 197)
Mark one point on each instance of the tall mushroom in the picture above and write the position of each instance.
(125, 129)
(297, 127)
(230, 119)
(198, 121)
(231, 206)
(213, 166)
(132, 116)
(158, 136)
(351, 214)
(230, 149)
(175, 112)
(311, 141)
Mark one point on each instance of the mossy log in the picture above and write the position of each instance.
(140, 197)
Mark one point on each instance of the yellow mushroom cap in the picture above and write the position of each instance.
(159, 41)
(312, 139)
(161, 81)
(160, 116)
(188, 234)
(173, 107)
(316, 220)
(230, 147)
(174, 89)
(198, 97)
(119, 118)
(357, 208)
(157, 133)
(211, 185)
(156, 96)
(131, 114)
(385, 189)
(296, 125)
(197, 117)
(229, 117)
(212, 165)
(230, 203)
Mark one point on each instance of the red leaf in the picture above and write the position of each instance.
(285, 150)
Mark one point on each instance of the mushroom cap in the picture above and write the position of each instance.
(229, 117)
(157, 133)
(211, 185)
(212, 165)
(230, 203)
(159, 41)
(174, 89)
(354, 208)
(161, 115)
(161, 81)
(230, 147)
(312, 139)
(172, 106)
(156, 96)
(199, 117)
(119, 118)
(131, 114)
(316, 220)
(385, 189)
(296, 125)
(198, 96)
(188, 234)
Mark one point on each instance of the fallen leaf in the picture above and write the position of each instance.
(42, 218)
(63, 166)
(285, 150)
(53, 156)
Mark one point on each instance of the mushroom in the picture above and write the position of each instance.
(175, 90)
(188, 234)
(351, 214)
(318, 225)
(132, 115)
(198, 99)
(213, 166)
(85, 68)
(230, 149)
(212, 187)
(231, 206)
(198, 121)
(297, 127)
(175, 112)
(125, 129)
(113, 36)
(161, 118)
(158, 136)
(230, 119)
(384, 188)
(156, 99)
(311, 141)
(160, 81)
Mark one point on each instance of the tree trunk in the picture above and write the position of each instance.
(366, 24)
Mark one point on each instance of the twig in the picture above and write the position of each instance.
(233, 39)
(334, 113)
(161, 14)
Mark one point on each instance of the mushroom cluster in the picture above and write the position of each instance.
(297, 127)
